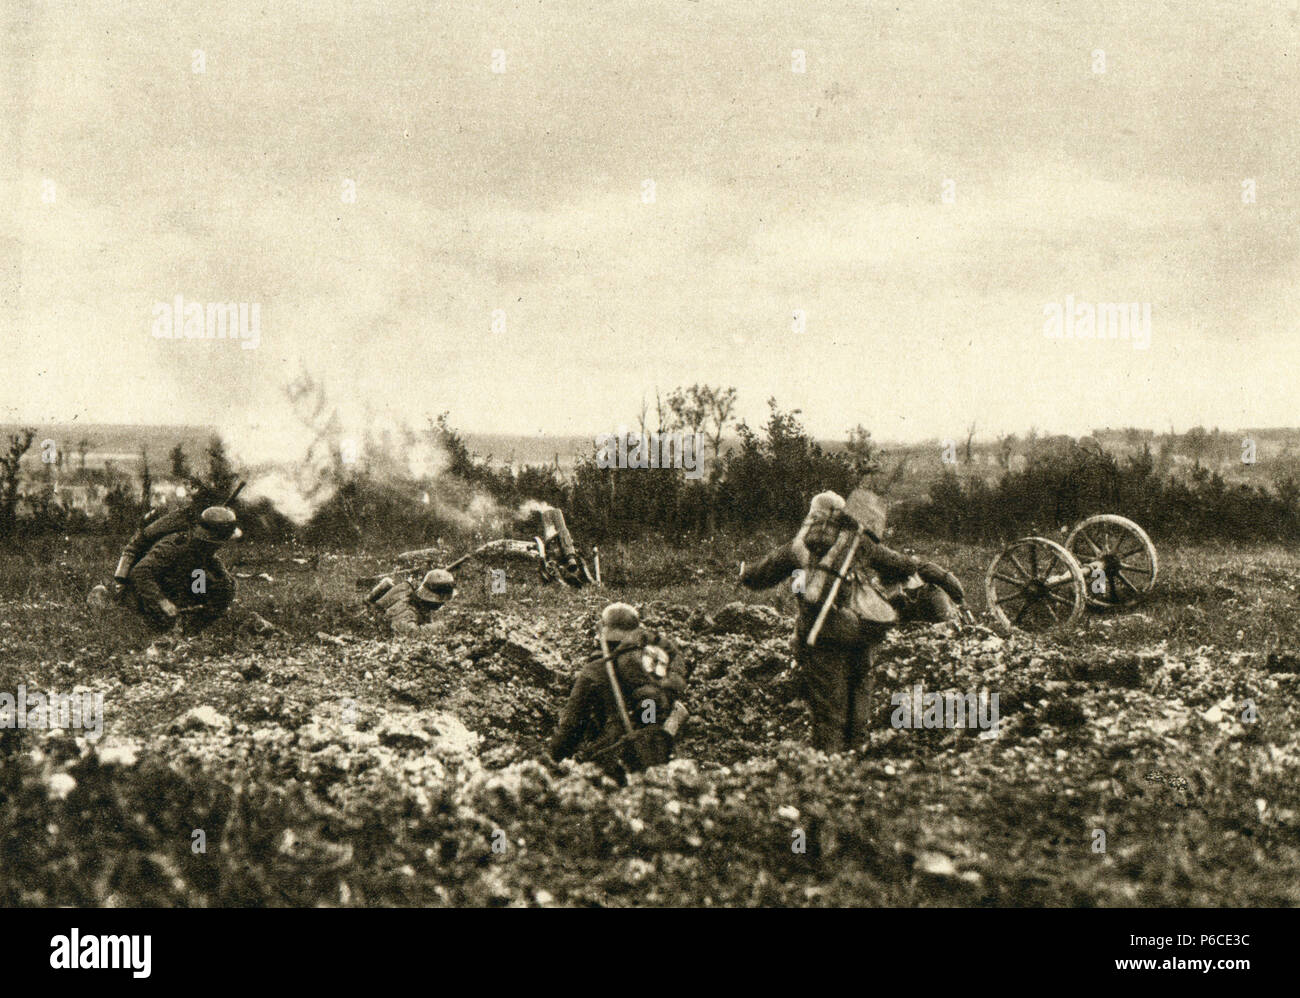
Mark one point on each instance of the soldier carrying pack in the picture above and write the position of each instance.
(158, 523)
(844, 609)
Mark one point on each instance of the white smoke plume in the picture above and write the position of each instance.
(282, 490)
(299, 451)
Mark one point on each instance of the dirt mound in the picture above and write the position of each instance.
(341, 769)
(751, 619)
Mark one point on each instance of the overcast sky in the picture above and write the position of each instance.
(775, 191)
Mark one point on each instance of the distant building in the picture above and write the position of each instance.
(89, 498)
(166, 493)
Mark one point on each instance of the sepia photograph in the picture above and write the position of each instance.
(659, 454)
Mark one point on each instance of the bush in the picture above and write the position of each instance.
(1063, 482)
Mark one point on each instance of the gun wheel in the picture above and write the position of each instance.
(1035, 585)
(1118, 559)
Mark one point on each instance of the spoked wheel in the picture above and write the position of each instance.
(1035, 584)
(1118, 559)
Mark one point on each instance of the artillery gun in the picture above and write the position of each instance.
(1037, 584)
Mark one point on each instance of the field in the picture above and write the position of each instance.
(327, 764)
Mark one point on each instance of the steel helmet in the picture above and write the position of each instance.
(819, 528)
(437, 586)
(217, 525)
(618, 622)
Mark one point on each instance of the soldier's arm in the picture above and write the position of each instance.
(148, 570)
(944, 579)
(216, 570)
(891, 563)
(402, 617)
(675, 681)
(778, 566)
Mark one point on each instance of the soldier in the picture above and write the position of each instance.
(836, 671)
(181, 573)
(159, 523)
(625, 706)
(409, 609)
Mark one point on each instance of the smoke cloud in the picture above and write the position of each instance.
(299, 451)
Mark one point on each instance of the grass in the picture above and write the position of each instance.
(1105, 729)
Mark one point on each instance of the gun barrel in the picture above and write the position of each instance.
(460, 561)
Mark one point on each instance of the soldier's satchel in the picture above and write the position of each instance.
(869, 605)
(858, 599)
(394, 595)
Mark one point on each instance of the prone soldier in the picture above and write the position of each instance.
(409, 609)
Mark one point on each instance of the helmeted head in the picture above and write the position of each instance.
(618, 622)
(217, 525)
(819, 528)
(437, 587)
(824, 504)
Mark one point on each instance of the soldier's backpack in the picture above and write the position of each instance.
(159, 523)
(154, 526)
(858, 609)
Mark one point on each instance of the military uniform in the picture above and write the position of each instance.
(166, 580)
(651, 676)
(836, 673)
(409, 609)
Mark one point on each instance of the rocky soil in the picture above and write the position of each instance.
(341, 767)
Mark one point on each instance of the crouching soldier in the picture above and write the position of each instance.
(410, 609)
(625, 709)
(181, 574)
(837, 556)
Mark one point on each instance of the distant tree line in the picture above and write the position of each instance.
(750, 477)
(126, 497)
(1063, 481)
